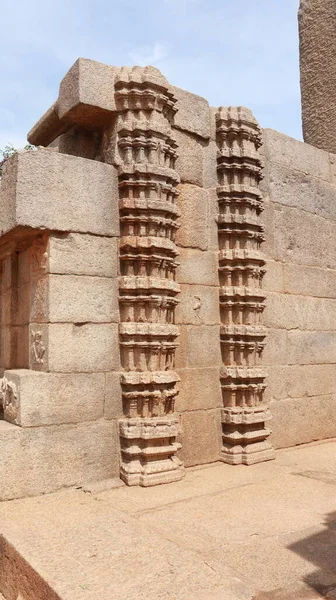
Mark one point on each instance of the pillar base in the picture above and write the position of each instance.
(166, 471)
(247, 455)
(148, 450)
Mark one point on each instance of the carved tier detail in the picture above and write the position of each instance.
(241, 269)
(145, 153)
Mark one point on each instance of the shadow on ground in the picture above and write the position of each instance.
(320, 549)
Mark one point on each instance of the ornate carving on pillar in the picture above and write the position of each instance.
(145, 152)
(241, 269)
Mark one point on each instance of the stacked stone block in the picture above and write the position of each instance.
(198, 358)
(299, 191)
(133, 287)
(60, 303)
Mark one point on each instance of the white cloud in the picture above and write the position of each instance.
(147, 55)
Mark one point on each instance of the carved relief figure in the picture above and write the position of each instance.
(9, 399)
(37, 348)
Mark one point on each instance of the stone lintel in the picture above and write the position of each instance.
(47, 190)
(87, 100)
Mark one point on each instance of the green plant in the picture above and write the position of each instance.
(8, 151)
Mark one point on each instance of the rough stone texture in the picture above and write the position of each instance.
(300, 420)
(74, 299)
(198, 305)
(190, 160)
(80, 347)
(263, 533)
(193, 113)
(57, 398)
(86, 85)
(37, 460)
(203, 349)
(83, 254)
(48, 190)
(113, 408)
(206, 394)
(196, 267)
(245, 410)
(317, 27)
(300, 200)
(130, 263)
(202, 435)
(193, 203)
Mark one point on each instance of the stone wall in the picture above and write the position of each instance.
(59, 323)
(300, 224)
(136, 253)
(198, 358)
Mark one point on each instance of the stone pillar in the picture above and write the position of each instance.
(146, 154)
(317, 29)
(241, 268)
(124, 117)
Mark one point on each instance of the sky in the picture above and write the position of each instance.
(232, 52)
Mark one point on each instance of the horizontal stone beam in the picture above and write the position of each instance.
(46, 190)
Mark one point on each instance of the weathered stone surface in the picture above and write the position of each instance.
(100, 285)
(181, 352)
(275, 351)
(79, 347)
(274, 277)
(202, 437)
(199, 389)
(290, 311)
(57, 398)
(193, 114)
(298, 381)
(147, 152)
(198, 305)
(87, 85)
(48, 190)
(212, 219)
(317, 28)
(304, 191)
(210, 149)
(189, 163)
(203, 348)
(37, 460)
(193, 204)
(309, 347)
(310, 281)
(294, 154)
(303, 238)
(241, 271)
(301, 420)
(81, 299)
(197, 267)
(113, 398)
(83, 254)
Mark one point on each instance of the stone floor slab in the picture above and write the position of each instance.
(223, 533)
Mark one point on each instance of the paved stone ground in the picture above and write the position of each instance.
(266, 532)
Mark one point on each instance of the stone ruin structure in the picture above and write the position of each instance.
(317, 27)
(138, 244)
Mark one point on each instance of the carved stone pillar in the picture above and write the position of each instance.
(317, 36)
(145, 152)
(241, 268)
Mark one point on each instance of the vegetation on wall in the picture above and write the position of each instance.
(8, 151)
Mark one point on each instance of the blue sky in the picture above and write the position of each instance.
(229, 51)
